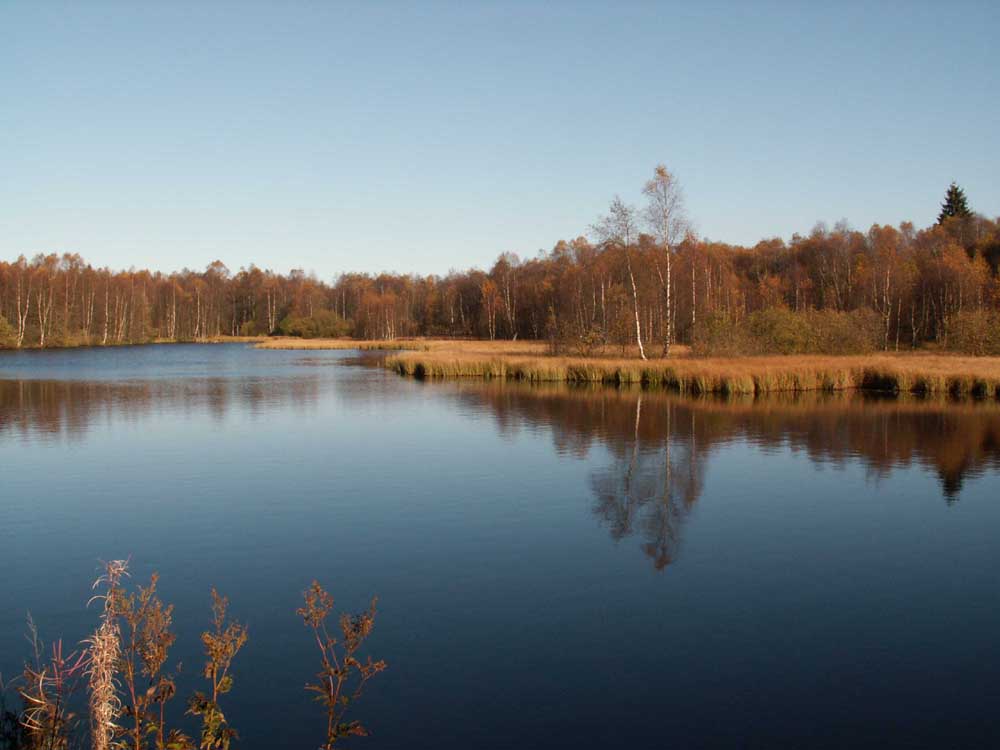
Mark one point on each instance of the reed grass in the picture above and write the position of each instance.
(916, 373)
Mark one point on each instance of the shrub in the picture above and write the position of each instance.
(251, 328)
(976, 333)
(8, 337)
(571, 339)
(778, 330)
(717, 335)
(324, 324)
(844, 332)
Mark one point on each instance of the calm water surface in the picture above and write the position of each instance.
(555, 567)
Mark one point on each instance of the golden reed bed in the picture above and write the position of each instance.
(907, 373)
(919, 373)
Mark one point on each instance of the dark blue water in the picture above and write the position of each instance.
(554, 567)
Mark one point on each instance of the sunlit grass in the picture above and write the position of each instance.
(923, 373)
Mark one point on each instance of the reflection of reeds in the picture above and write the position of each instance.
(910, 373)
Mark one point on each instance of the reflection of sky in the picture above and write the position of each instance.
(500, 592)
(173, 362)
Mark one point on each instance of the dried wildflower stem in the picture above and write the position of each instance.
(47, 686)
(222, 643)
(340, 666)
(104, 652)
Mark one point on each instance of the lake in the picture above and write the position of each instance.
(555, 567)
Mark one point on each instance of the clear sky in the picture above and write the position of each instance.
(426, 136)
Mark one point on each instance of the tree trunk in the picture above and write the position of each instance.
(635, 303)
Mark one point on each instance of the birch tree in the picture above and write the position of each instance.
(666, 219)
(619, 228)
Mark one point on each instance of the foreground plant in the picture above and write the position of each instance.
(12, 734)
(103, 655)
(128, 691)
(46, 721)
(222, 643)
(146, 644)
(343, 677)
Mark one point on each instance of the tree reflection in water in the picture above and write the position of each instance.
(661, 444)
(649, 488)
(68, 408)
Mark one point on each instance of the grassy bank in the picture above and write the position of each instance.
(95, 343)
(215, 340)
(345, 343)
(976, 377)
(470, 347)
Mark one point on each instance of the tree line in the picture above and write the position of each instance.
(638, 276)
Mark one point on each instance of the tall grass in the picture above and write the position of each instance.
(957, 376)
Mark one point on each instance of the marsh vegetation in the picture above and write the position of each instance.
(916, 373)
(116, 690)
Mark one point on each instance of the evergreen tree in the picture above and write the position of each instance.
(954, 204)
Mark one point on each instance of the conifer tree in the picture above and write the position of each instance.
(954, 204)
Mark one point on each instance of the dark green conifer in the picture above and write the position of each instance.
(954, 204)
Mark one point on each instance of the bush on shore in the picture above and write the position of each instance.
(976, 333)
(324, 324)
(8, 337)
(781, 331)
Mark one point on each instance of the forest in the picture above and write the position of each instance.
(638, 275)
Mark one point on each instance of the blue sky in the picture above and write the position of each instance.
(427, 136)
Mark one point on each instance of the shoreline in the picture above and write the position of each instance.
(292, 343)
(152, 342)
(912, 373)
(917, 372)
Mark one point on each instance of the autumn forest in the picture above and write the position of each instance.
(637, 275)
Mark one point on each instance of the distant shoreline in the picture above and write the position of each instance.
(153, 342)
(918, 372)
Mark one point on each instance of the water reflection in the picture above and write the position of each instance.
(660, 445)
(69, 408)
(655, 448)
(466, 505)
(648, 488)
